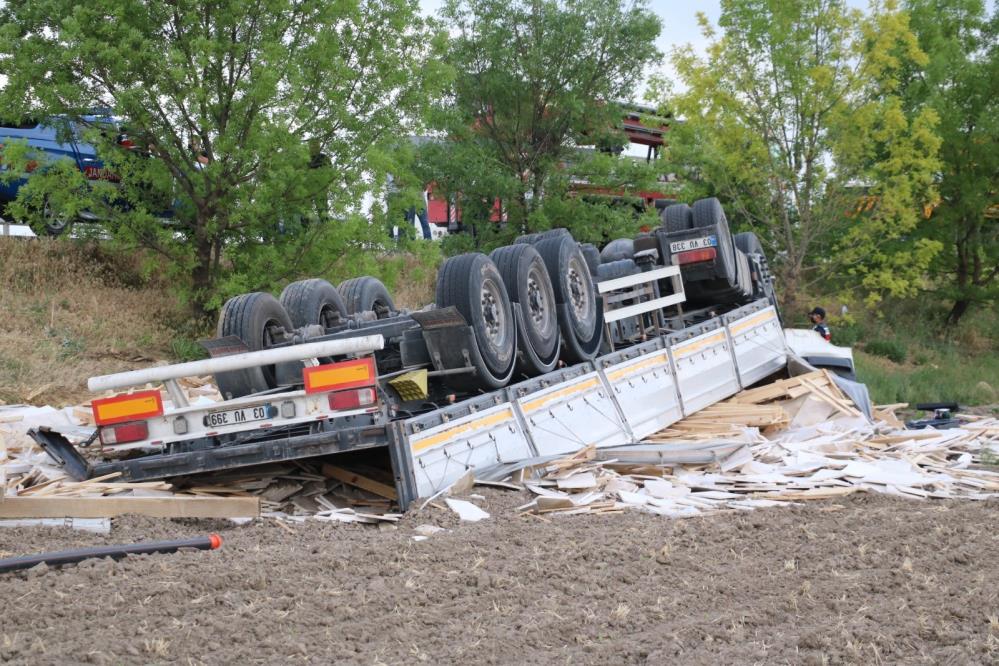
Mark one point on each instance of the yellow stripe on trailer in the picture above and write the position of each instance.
(537, 403)
(658, 359)
(697, 346)
(461, 429)
(752, 321)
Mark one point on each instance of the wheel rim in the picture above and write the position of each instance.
(493, 314)
(538, 305)
(52, 221)
(579, 290)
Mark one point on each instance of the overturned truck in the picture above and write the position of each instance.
(541, 348)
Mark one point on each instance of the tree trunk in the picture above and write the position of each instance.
(787, 286)
(203, 275)
(960, 307)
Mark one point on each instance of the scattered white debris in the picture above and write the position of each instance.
(466, 510)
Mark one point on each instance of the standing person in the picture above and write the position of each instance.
(818, 317)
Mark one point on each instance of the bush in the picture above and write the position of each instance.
(847, 334)
(893, 350)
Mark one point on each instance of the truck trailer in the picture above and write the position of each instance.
(539, 349)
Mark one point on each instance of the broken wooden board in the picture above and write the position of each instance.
(359, 481)
(178, 506)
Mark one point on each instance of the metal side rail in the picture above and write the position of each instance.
(618, 399)
(275, 448)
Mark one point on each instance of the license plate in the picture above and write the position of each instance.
(237, 416)
(693, 244)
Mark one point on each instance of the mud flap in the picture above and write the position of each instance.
(64, 453)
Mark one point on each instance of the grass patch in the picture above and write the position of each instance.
(73, 310)
(906, 355)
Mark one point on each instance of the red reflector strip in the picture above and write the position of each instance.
(352, 399)
(342, 375)
(128, 407)
(124, 432)
(693, 256)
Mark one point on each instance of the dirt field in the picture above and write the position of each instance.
(869, 580)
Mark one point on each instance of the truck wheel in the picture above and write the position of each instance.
(676, 218)
(748, 243)
(531, 239)
(708, 214)
(252, 318)
(616, 269)
(366, 293)
(592, 256)
(313, 301)
(572, 283)
(473, 284)
(529, 287)
(621, 248)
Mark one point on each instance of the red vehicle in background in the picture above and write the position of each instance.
(640, 125)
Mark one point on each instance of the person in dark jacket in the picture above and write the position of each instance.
(818, 317)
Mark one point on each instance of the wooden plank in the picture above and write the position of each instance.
(179, 506)
(358, 481)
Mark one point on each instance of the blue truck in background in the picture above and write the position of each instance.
(53, 140)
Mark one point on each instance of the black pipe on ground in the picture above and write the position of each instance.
(210, 542)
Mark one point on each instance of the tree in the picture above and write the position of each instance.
(791, 118)
(251, 122)
(961, 81)
(534, 80)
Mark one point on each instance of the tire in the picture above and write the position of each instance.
(531, 239)
(676, 218)
(527, 283)
(748, 243)
(708, 214)
(472, 284)
(572, 284)
(617, 269)
(313, 301)
(592, 256)
(365, 294)
(248, 317)
(52, 224)
(621, 248)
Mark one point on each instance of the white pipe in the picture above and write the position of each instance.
(210, 366)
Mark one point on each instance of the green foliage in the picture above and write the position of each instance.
(893, 350)
(941, 363)
(791, 117)
(253, 123)
(959, 81)
(534, 81)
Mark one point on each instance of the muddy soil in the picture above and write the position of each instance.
(869, 579)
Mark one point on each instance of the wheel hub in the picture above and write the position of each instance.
(492, 314)
(579, 292)
(536, 302)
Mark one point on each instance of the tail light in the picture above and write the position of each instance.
(123, 433)
(338, 376)
(354, 399)
(694, 256)
(127, 407)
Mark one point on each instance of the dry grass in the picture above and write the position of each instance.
(71, 311)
